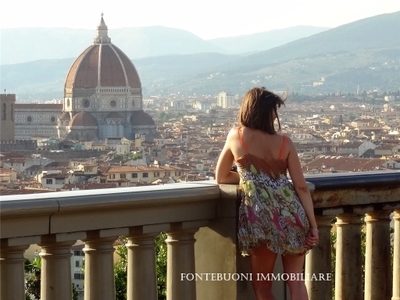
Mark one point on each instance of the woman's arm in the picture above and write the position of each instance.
(300, 184)
(223, 173)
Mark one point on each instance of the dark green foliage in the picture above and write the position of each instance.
(169, 115)
(32, 283)
(161, 266)
(75, 293)
(120, 269)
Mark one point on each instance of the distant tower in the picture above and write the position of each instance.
(7, 132)
(225, 100)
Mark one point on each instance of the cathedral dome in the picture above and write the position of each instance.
(83, 119)
(140, 118)
(102, 65)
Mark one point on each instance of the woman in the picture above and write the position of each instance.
(276, 216)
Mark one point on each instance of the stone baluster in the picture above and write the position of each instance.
(55, 277)
(377, 256)
(396, 256)
(318, 263)
(348, 278)
(180, 264)
(142, 275)
(12, 278)
(99, 267)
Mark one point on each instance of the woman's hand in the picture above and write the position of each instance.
(312, 238)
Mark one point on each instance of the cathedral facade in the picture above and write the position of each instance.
(102, 99)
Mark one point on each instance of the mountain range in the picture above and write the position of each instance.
(362, 55)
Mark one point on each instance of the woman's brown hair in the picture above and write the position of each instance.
(259, 109)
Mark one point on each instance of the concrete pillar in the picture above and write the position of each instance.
(142, 275)
(181, 265)
(378, 285)
(318, 263)
(348, 278)
(99, 268)
(55, 275)
(12, 275)
(396, 256)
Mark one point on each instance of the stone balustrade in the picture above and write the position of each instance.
(200, 221)
(353, 204)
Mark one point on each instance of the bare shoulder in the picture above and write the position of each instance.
(289, 142)
(233, 133)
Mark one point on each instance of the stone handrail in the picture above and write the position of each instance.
(206, 213)
(354, 204)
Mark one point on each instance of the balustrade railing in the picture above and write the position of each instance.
(200, 221)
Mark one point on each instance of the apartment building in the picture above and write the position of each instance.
(125, 175)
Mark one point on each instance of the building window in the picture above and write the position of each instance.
(122, 176)
(49, 181)
(86, 103)
(134, 175)
(102, 180)
(4, 111)
(29, 119)
(113, 103)
(167, 173)
(77, 263)
(156, 174)
(177, 173)
(145, 175)
(79, 276)
(52, 119)
(111, 176)
(79, 253)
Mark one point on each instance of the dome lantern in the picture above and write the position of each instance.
(102, 33)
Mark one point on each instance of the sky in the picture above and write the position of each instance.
(207, 19)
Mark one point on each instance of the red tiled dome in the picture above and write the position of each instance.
(141, 118)
(83, 119)
(102, 64)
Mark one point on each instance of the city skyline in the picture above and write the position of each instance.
(206, 19)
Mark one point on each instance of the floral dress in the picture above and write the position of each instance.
(270, 211)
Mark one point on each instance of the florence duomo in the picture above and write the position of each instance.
(102, 99)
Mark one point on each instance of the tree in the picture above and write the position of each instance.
(32, 282)
(120, 269)
(161, 266)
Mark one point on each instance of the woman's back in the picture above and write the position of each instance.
(267, 152)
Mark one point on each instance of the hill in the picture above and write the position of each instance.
(136, 42)
(363, 55)
(265, 40)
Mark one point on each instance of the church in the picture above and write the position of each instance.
(102, 99)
